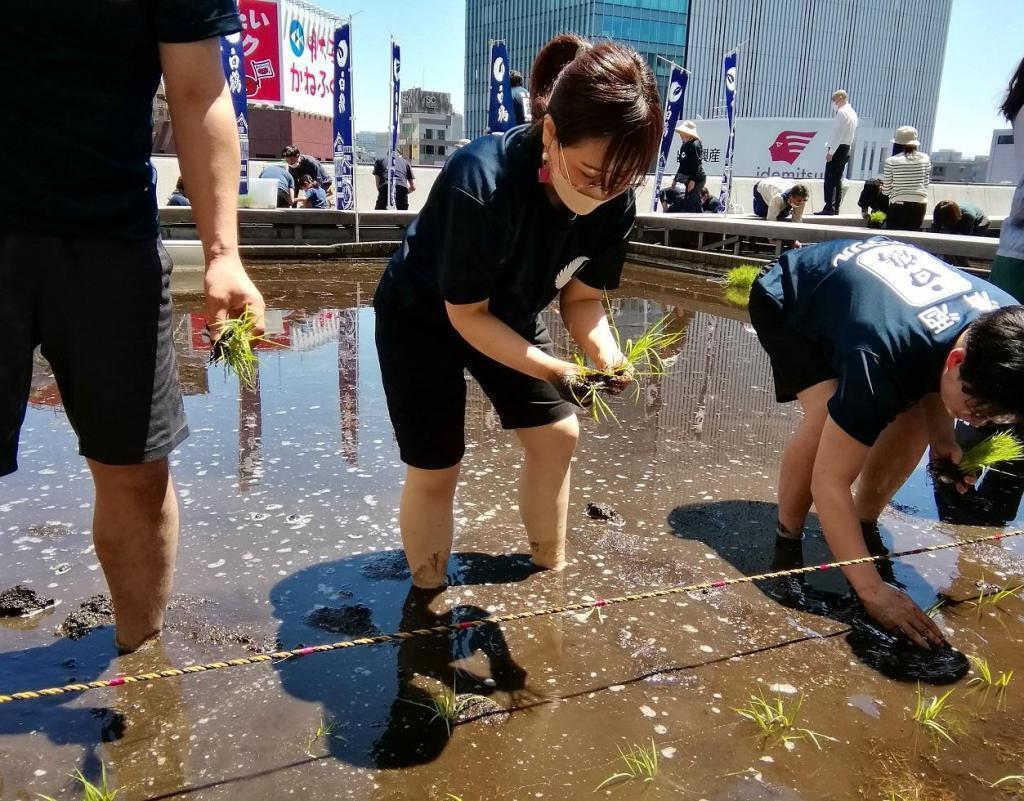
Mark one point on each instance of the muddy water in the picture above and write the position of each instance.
(289, 535)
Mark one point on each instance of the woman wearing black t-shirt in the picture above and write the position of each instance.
(691, 167)
(513, 221)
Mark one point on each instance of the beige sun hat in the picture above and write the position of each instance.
(906, 135)
(688, 127)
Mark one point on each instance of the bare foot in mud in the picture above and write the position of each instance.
(548, 556)
(432, 575)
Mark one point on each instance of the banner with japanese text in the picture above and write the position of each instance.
(729, 66)
(344, 169)
(396, 110)
(233, 62)
(307, 72)
(261, 46)
(673, 105)
(499, 112)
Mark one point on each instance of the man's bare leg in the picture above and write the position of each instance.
(135, 530)
(798, 459)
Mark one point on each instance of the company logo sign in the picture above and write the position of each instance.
(499, 69)
(789, 145)
(675, 92)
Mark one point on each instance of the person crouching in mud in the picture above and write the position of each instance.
(883, 345)
(512, 221)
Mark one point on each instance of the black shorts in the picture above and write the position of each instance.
(797, 361)
(101, 311)
(422, 364)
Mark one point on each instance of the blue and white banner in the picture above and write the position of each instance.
(729, 66)
(232, 58)
(499, 113)
(673, 105)
(396, 108)
(344, 162)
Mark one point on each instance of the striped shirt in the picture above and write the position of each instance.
(905, 180)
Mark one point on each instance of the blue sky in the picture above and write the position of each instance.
(986, 42)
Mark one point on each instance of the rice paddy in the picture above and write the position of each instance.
(776, 720)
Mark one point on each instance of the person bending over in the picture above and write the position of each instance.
(513, 221)
(884, 346)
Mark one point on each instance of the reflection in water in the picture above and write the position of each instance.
(394, 727)
(741, 532)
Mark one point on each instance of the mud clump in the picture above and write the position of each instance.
(603, 511)
(20, 601)
(390, 566)
(350, 620)
(50, 530)
(481, 708)
(94, 613)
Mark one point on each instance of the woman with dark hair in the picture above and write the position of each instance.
(512, 222)
(1008, 267)
(905, 182)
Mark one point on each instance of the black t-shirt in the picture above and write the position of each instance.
(77, 93)
(307, 165)
(489, 231)
(403, 171)
(521, 105)
(886, 314)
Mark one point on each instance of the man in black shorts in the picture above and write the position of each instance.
(87, 268)
(884, 346)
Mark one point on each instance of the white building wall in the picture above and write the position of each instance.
(888, 56)
(1002, 161)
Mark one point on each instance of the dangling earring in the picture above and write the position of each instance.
(544, 171)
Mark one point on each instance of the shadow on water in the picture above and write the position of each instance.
(743, 533)
(388, 688)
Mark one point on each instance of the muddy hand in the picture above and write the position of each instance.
(573, 388)
(946, 471)
(895, 610)
(621, 378)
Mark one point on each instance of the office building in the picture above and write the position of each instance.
(429, 127)
(795, 53)
(1002, 158)
(951, 167)
(652, 27)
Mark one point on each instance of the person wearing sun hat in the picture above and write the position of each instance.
(691, 166)
(905, 182)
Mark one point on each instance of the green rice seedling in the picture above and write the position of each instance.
(777, 719)
(90, 792)
(453, 797)
(233, 347)
(876, 219)
(325, 730)
(642, 358)
(935, 715)
(641, 763)
(990, 599)
(738, 282)
(1016, 779)
(447, 705)
(941, 602)
(1001, 447)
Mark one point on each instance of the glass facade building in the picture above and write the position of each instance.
(651, 27)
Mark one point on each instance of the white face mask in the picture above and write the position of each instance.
(577, 202)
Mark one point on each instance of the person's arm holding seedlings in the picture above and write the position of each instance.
(586, 319)
(942, 438)
(839, 461)
(208, 152)
(496, 339)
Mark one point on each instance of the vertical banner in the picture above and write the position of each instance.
(673, 105)
(233, 62)
(729, 66)
(344, 178)
(261, 49)
(396, 107)
(307, 75)
(499, 119)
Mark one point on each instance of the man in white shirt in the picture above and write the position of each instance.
(837, 153)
